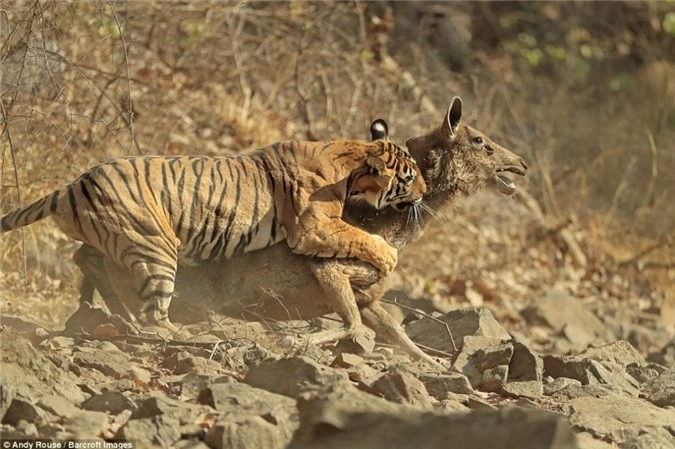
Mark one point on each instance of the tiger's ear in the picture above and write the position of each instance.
(379, 130)
(451, 121)
(376, 165)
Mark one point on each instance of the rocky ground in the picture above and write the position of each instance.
(539, 353)
(245, 385)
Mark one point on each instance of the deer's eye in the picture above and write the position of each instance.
(478, 141)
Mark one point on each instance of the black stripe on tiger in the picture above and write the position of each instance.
(145, 214)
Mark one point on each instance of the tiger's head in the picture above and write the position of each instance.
(391, 177)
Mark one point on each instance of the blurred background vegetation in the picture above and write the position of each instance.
(584, 91)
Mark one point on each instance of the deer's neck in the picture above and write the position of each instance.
(395, 226)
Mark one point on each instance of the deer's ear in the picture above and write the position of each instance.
(453, 117)
(379, 130)
(376, 165)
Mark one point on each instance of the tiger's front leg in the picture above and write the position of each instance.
(337, 238)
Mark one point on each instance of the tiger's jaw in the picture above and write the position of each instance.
(405, 205)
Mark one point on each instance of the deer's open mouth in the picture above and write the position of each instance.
(504, 184)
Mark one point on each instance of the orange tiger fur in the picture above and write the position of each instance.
(147, 213)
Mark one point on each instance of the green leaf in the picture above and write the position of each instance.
(586, 51)
(669, 23)
(533, 56)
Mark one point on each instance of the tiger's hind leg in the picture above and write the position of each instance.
(152, 263)
(155, 282)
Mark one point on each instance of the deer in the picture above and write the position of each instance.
(456, 161)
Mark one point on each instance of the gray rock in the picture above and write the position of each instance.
(58, 406)
(462, 323)
(250, 432)
(615, 377)
(87, 318)
(524, 389)
(314, 352)
(236, 397)
(461, 398)
(190, 444)
(118, 421)
(620, 418)
(111, 363)
(112, 402)
(52, 431)
(485, 362)
(620, 352)
(292, 376)
(22, 410)
(57, 343)
(326, 408)
(29, 429)
(658, 440)
(581, 391)
(240, 358)
(193, 384)
(327, 424)
(362, 343)
(363, 374)
(643, 374)
(249, 417)
(171, 409)
(30, 373)
(586, 441)
(157, 430)
(478, 403)
(524, 365)
(346, 360)
(7, 394)
(558, 384)
(440, 385)
(661, 390)
(86, 424)
(140, 376)
(451, 406)
(560, 366)
(666, 356)
(564, 313)
(493, 379)
(183, 363)
(588, 371)
(400, 386)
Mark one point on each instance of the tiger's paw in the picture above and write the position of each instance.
(386, 256)
(177, 333)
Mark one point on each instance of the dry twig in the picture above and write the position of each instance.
(426, 315)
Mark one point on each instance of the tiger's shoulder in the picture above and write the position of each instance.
(378, 171)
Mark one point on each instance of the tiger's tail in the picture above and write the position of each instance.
(24, 216)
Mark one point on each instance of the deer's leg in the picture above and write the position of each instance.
(378, 319)
(95, 277)
(339, 297)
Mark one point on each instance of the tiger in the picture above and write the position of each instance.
(147, 213)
